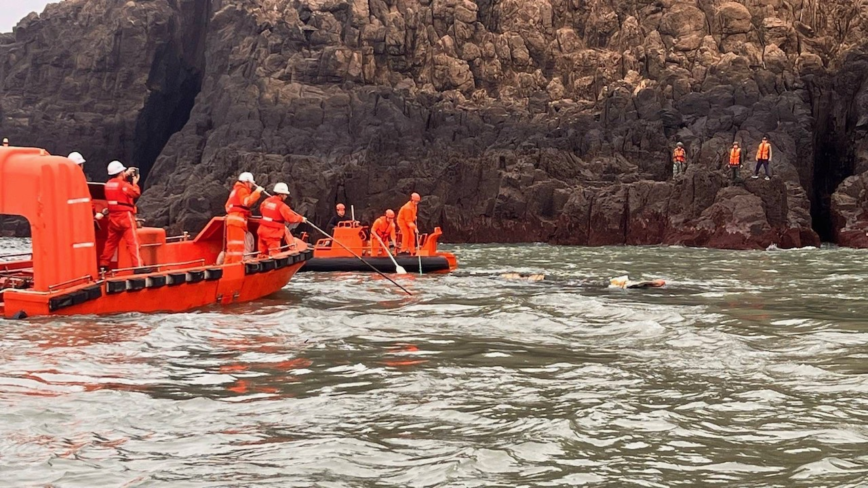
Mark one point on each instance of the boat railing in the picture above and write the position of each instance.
(88, 278)
(200, 261)
(181, 238)
(281, 249)
(7, 257)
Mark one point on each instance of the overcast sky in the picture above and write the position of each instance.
(11, 11)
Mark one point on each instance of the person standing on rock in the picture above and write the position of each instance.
(407, 224)
(121, 197)
(735, 160)
(338, 217)
(679, 158)
(763, 157)
(241, 199)
(275, 215)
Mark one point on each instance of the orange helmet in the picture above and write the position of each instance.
(340, 206)
(415, 197)
(390, 214)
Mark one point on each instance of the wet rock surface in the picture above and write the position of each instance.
(518, 120)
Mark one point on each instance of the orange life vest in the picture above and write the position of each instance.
(237, 201)
(764, 150)
(384, 228)
(121, 195)
(678, 155)
(272, 212)
(735, 157)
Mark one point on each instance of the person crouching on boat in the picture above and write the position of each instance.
(121, 196)
(407, 224)
(275, 215)
(244, 194)
(384, 227)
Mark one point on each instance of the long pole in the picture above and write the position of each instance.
(359, 258)
(398, 268)
(418, 247)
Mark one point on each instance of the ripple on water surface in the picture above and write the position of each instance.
(746, 370)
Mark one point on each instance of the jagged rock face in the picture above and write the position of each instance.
(518, 120)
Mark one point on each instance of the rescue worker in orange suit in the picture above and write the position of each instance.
(679, 157)
(407, 224)
(121, 196)
(244, 194)
(340, 212)
(735, 160)
(763, 157)
(384, 227)
(275, 215)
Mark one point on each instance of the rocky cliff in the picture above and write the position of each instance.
(518, 120)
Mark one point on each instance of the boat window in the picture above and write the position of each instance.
(16, 268)
(97, 190)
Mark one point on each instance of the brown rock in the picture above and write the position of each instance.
(519, 120)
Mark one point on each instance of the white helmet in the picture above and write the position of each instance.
(76, 158)
(115, 167)
(281, 189)
(246, 177)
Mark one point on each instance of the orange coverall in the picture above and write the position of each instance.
(237, 210)
(121, 196)
(272, 229)
(385, 228)
(407, 224)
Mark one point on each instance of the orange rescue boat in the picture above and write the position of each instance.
(329, 255)
(61, 277)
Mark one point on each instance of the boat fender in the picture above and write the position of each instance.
(19, 315)
(267, 265)
(307, 254)
(112, 287)
(281, 263)
(93, 292)
(155, 282)
(195, 276)
(57, 303)
(251, 268)
(78, 297)
(213, 274)
(136, 284)
(176, 279)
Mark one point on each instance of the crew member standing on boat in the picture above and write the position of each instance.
(339, 216)
(244, 194)
(275, 215)
(407, 224)
(121, 197)
(384, 227)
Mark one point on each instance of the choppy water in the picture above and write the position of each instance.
(749, 369)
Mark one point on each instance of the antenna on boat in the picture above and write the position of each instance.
(353, 212)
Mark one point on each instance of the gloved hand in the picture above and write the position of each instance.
(259, 189)
(98, 216)
(304, 219)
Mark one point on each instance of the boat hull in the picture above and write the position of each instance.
(170, 291)
(430, 264)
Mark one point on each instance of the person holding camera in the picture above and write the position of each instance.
(121, 192)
